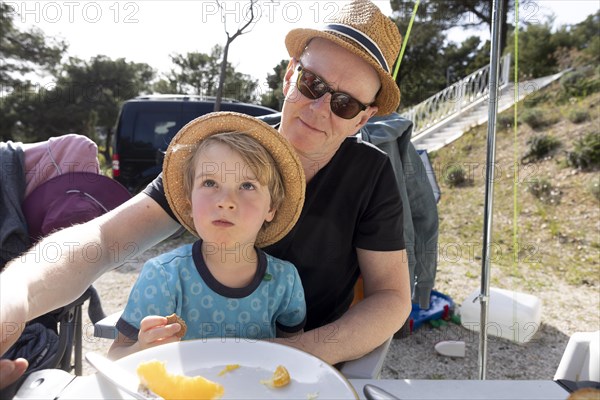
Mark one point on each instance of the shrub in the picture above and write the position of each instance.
(455, 176)
(543, 190)
(586, 154)
(537, 97)
(540, 146)
(579, 83)
(505, 121)
(538, 119)
(578, 115)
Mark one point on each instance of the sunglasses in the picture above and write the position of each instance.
(314, 87)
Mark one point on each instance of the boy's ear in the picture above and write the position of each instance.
(270, 215)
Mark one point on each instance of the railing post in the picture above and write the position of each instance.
(460, 93)
(506, 69)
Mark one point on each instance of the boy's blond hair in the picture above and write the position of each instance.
(254, 155)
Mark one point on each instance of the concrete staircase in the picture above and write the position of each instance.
(475, 114)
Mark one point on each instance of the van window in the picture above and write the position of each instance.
(155, 129)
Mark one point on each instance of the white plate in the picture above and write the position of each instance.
(311, 378)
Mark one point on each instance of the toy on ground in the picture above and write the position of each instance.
(441, 309)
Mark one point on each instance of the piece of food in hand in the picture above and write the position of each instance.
(154, 375)
(280, 378)
(171, 319)
(229, 368)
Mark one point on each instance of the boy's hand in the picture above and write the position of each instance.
(154, 331)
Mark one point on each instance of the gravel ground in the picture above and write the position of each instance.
(565, 310)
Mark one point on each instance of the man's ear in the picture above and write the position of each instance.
(287, 78)
(372, 110)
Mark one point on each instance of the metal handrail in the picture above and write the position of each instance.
(456, 98)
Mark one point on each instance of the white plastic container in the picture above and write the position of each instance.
(512, 315)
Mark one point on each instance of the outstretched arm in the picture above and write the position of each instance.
(370, 322)
(61, 267)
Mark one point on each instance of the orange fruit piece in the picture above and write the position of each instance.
(154, 375)
(280, 378)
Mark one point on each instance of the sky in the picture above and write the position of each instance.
(151, 30)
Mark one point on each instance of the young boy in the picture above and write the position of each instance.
(237, 184)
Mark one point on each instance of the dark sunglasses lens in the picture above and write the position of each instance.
(310, 85)
(344, 106)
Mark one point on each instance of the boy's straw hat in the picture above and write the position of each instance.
(282, 152)
(361, 28)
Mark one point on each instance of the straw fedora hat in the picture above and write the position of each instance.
(282, 152)
(68, 199)
(361, 28)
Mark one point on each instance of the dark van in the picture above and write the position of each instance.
(147, 124)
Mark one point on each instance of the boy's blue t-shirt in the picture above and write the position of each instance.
(179, 282)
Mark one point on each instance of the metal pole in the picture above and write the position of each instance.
(489, 184)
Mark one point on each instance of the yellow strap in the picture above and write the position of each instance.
(410, 24)
(516, 146)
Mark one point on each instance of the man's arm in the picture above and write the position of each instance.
(373, 320)
(61, 267)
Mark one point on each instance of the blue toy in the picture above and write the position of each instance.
(441, 306)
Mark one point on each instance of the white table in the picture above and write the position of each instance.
(95, 387)
(409, 389)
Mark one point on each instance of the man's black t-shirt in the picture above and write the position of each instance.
(352, 202)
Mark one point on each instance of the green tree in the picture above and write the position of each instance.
(536, 51)
(431, 63)
(421, 72)
(274, 97)
(23, 52)
(198, 74)
(578, 44)
(85, 95)
(189, 76)
(448, 14)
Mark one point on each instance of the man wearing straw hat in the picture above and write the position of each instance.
(338, 77)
